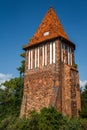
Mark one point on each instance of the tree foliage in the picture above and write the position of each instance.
(84, 102)
(10, 97)
(46, 119)
(21, 68)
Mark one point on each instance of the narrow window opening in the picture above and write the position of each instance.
(45, 54)
(29, 60)
(51, 53)
(35, 57)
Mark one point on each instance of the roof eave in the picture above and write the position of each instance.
(47, 40)
(67, 41)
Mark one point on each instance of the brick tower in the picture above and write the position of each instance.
(51, 77)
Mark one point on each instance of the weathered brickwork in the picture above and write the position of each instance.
(70, 91)
(51, 78)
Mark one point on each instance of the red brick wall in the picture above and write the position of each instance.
(54, 84)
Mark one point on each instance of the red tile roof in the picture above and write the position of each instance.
(49, 28)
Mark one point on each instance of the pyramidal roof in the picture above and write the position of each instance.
(49, 28)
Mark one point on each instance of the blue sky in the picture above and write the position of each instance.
(19, 19)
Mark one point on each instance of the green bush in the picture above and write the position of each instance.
(50, 119)
(74, 124)
(7, 123)
(46, 119)
(84, 124)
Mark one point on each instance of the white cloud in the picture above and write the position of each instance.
(5, 77)
(83, 83)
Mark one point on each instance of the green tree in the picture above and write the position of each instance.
(21, 68)
(83, 112)
(10, 97)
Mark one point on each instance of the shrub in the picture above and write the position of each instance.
(50, 119)
(7, 122)
(46, 119)
(84, 124)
